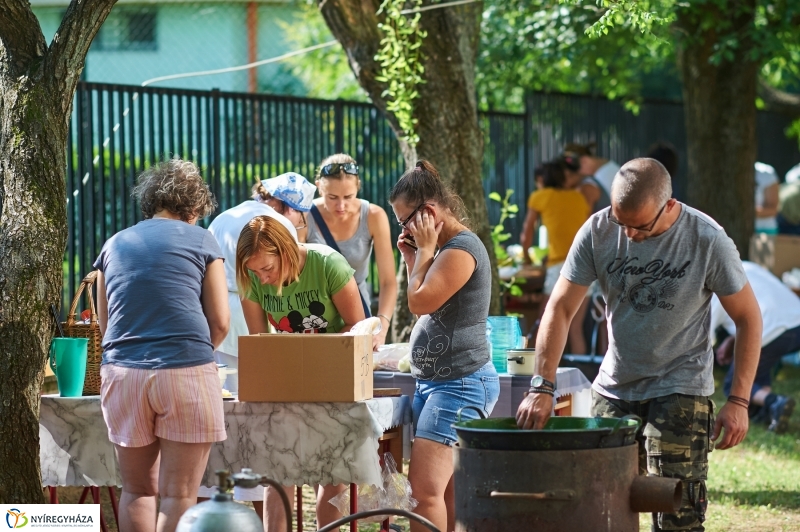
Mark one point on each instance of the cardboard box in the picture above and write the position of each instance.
(777, 253)
(305, 368)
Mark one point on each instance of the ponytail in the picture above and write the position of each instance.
(423, 183)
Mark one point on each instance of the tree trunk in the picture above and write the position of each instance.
(33, 235)
(449, 134)
(36, 89)
(720, 113)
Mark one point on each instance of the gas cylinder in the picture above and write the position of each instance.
(220, 513)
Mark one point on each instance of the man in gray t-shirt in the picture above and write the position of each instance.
(657, 263)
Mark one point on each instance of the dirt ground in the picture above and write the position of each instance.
(71, 495)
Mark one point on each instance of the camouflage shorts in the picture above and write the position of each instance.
(674, 442)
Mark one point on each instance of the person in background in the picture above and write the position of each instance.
(562, 210)
(780, 313)
(793, 175)
(789, 203)
(665, 153)
(598, 173)
(354, 226)
(320, 295)
(162, 309)
(450, 291)
(767, 188)
(290, 194)
(657, 262)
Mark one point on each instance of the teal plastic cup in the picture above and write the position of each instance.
(68, 362)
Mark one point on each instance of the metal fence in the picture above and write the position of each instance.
(116, 131)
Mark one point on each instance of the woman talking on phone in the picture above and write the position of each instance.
(449, 288)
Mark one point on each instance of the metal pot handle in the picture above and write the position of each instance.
(623, 422)
(470, 407)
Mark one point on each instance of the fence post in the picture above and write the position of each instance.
(338, 124)
(527, 132)
(216, 141)
(527, 136)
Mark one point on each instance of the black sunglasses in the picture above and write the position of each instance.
(335, 168)
(408, 219)
(642, 229)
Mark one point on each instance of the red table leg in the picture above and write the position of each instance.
(96, 499)
(353, 506)
(385, 447)
(86, 491)
(112, 493)
(300, 508)
(53, 494)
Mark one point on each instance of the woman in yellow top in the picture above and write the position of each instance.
(563, 210)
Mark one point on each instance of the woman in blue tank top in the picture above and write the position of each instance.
(356, 226)
(449, 288)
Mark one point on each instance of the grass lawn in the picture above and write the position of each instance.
(756, 485)
(752, 487)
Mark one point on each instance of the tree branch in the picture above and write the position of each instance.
(20, 35)
(65, 60)
(778, 100)
(354, 24)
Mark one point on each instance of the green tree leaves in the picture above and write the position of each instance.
(400, 58)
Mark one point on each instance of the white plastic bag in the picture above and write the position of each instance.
(371, 326)
(395, 493)
(388, 356)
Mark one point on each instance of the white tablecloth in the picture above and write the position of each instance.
(292, 443)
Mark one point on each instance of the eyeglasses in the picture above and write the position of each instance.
(303, 219)
(642, 229)
(335, 168)
(404, 222)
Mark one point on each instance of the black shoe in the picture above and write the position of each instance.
(779, 412)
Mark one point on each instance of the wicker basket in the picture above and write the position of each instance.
(91, 330)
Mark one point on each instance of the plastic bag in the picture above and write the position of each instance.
(388, 356)
(395, 493)
(371, 326)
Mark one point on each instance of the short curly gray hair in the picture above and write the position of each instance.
(174, 185)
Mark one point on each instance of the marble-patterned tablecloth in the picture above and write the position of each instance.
(293, 443)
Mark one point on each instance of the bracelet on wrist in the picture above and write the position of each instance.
(548, 391)
(388, 320)
(741, 401)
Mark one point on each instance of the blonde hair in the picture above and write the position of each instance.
(265, 234)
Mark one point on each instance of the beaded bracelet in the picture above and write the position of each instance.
(548, 391)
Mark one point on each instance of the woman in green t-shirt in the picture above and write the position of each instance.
(296, 288)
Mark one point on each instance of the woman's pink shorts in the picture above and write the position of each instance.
(181, 404)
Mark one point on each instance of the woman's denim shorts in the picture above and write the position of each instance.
(436, 403)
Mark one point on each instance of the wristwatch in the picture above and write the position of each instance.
(540, 382)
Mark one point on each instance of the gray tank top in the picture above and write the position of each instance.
(356, 249)
(604, 200)
(451, 343)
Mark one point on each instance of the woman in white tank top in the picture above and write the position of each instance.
(357, 226)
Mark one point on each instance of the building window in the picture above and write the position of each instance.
(128, 29)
